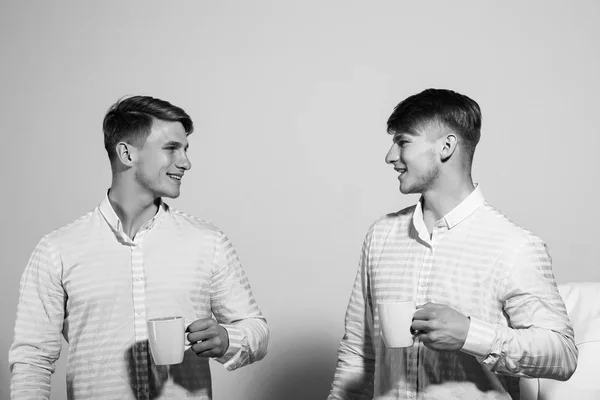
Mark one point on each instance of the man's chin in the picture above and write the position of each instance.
(407, 190)
(171, 195)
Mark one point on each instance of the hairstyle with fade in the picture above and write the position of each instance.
(130, 120)
(454, 110)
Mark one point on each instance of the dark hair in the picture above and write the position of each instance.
(131, 120)
(456, 111)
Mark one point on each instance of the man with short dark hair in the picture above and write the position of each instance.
(99, 279)
(488, 310)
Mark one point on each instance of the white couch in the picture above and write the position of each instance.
(582, 300)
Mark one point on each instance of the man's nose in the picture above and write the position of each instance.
(184, 162)
(393, 154)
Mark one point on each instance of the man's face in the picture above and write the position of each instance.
(414, 155)
(162, 160)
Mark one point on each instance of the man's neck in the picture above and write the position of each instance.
(439, 201)
(132, 209)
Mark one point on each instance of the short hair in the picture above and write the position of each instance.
(454, 110)
(131, 120)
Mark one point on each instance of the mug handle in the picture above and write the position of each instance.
(153, 336)
(186, 343)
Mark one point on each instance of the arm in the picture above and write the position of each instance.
(539, 341)
(356, 357)
(40, 312)
(236, 310)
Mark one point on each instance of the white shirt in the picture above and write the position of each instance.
(476, 261)
(97, 287)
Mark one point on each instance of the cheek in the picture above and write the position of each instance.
(159, 163)
(433, 157)
(425, 157)
(414, 156)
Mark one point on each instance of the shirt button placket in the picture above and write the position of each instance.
(424, 275)
(139, 306)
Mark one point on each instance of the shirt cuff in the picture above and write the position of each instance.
(235, 345)
(479, 339)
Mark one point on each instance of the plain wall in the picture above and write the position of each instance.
(290, 101)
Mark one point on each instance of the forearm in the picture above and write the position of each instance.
(37, 338)
(29, 381)
(353, 378)
(537, 339)
(248, 342)
(527, 352)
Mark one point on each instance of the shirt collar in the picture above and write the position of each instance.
(467, 207)
(114, 221)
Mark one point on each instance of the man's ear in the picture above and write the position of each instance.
(449, 146)
(126, 153)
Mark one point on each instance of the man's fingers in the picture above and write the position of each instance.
(202, 330)
(200, 325)
(424, 314)
(429, 311)
(208, 348)
(203, 346)
(429, 305)
(203, 335)
(419, 326)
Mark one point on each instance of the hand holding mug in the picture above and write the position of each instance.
(440, 327)
(208, 338)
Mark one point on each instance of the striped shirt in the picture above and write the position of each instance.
(476, 261)
(97, 287)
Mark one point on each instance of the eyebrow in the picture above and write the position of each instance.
(399, 135)
(173, 143)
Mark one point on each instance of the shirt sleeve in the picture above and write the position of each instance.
(353, 379)
(539, 341)
(37, 337)
(236, 309)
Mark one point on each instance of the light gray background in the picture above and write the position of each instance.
(290, 101)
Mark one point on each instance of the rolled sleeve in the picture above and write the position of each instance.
(236, 310)
(40, 315)
(539, 341)
(354, 374)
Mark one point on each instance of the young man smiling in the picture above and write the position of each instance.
(488, 310)
(99, 279)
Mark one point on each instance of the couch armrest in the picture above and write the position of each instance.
(583, 385)
(530, 388)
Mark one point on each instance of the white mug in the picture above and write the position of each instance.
(395, 318)
(166, 337)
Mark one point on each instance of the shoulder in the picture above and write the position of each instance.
(74, 231)
(398, 221)
(402, 217)
(194, 225)
(500, 227)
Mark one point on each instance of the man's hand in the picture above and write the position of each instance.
(208, 338)
(440, 327)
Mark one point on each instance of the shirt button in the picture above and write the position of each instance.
(413, 356)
